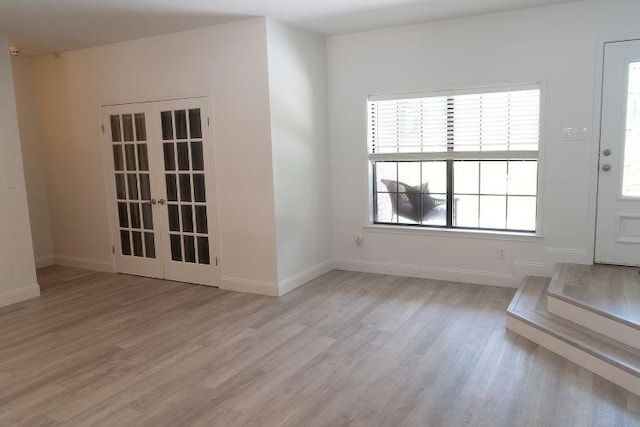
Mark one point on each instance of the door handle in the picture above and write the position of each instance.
(162, 201)
(606, 168)
(150, 202)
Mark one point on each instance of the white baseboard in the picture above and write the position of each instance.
(297, 280)
(45, 261)
(428, 272)
(576, 355)
(251, 286)
(21, 294)
(84, 263)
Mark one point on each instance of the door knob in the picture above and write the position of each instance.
(162, 201)
(606, 168)
(606, 152)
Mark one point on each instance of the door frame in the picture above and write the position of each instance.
(211, 178)
(597, 134)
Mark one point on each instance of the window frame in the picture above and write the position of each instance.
(458, 231)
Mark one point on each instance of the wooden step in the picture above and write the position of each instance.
(604, 298)
(527, 315)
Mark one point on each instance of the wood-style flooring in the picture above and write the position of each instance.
(530, 306)
(611, 290)
(346, 349)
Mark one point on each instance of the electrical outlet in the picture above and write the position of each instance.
(501, 254)
(359, 240)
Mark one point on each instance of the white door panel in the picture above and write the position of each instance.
(134, 221)
(186, 183)
(618, 223)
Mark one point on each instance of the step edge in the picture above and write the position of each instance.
(515, 301)
(633, 370)
(597, 366)
(617, 331)
(555, 291)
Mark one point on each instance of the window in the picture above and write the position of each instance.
(456, 161)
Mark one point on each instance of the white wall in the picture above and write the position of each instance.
(34, 165)
(17, 269)
(266, 83)
(300, 147)
(227, 62)
(557, 44)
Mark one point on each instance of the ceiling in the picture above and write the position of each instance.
(40, 26)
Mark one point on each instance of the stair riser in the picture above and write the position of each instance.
(598, 366)
(596, 322)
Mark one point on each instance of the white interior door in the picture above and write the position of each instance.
(135, 222)
(185, 180)
(618, 221)
(161, 190)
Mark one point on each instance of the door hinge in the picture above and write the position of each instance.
(113, 249)
(208, 122)
(216, 261)
(102, 127)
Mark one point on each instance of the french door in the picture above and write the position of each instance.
(618, 223)
(160, 175)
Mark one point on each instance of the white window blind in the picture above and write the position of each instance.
(481, 125)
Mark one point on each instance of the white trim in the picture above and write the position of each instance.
(105, 146)
(491, 88)
(84, 263)
(250, 286)
(594, 321)
(536, 82)
(20, 294)
(598, 366)
(568, 255)
(153, 100)
(44, 261)
(542, 150)
(454, 232)
(213, 173)
(429, 272)
(456, 155)
(204, 93)
(299, 279)
(595, 151)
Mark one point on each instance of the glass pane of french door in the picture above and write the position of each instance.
(184, 174)
(130, 151)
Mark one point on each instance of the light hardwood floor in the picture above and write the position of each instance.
(346, 349)
(611, 290)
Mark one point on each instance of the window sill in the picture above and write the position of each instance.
(455, 233)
